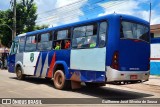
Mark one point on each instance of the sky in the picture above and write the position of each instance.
(57, 12)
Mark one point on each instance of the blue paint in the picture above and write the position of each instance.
(11, 63)
(50, 55)
(90, 76)
(113, 38)
(63, 55)
(133, 55)
(155, 40)
(155, 68)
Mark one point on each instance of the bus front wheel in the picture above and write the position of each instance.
(20, 75)
(60, 81)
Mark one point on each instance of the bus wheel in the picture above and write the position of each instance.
(20, 75)
(60, 81)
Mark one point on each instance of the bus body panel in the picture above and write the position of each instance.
(19, 58)
(88, 59)
(63, 55)
(11, 63)
(29, 62)
(133, 55)
(116, 75)
(113, 38)
(87, 76)
(46, 62)
(128, 51)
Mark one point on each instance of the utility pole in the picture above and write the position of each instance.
(14, 19)
(150, 8)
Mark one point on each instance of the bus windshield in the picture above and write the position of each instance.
(134, 31)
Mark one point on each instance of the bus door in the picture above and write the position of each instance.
(11, 57)
(30, 55)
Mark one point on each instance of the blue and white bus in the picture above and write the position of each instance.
(112, 48)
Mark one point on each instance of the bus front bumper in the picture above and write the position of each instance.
(115, 75)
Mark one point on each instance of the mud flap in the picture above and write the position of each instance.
(75, 85)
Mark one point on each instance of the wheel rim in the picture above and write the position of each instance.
(59, 79)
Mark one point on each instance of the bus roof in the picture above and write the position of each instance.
(114, 15)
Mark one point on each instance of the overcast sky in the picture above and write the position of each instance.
(56, 12)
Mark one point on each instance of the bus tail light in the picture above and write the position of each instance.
(115, 58)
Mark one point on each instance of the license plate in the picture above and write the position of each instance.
(133, 77)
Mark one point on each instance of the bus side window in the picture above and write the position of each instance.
(44, 41)
(14, 48)
(85, 36)
(31, 43)
(21, 44)
(102, 34)
(62, 39)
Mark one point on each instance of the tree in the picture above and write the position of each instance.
(26, 16)
(37, 27)
(5, 32)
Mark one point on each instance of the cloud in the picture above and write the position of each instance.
(131, 7)
(65, 12)
(44, 5)
(155, 17)
(123, 7)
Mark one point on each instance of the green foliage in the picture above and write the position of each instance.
(25, 20)
(40, 27)
(26, 16)
(5, 32)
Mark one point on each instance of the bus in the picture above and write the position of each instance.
(110, 48)
(155, 56)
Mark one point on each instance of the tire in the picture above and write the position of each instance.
(95, 85)
(60, 81)
(20, 75)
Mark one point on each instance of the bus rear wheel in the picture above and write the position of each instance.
(60, 81)
(20, 75)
